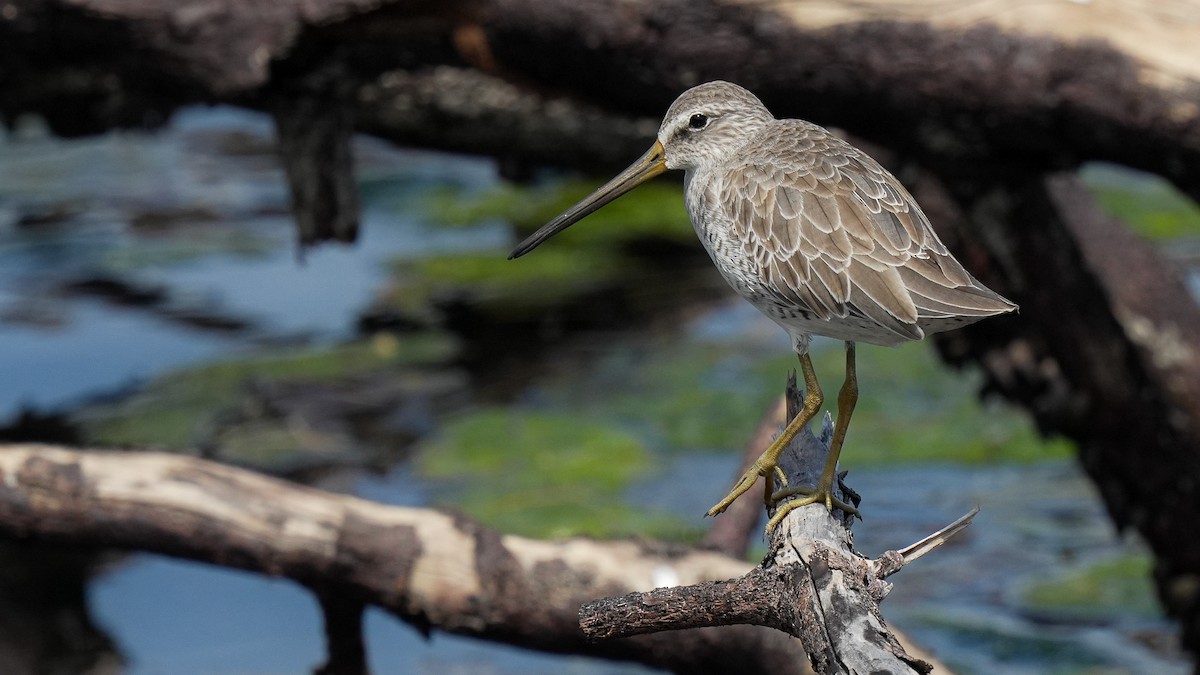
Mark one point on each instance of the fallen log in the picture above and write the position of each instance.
(434, 570)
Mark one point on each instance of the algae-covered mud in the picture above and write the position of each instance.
(1112, 587)
(700, 390)
(1147, 203)
(287, 408)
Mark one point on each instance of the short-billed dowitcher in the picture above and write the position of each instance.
(814, 233)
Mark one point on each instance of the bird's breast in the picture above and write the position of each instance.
(712, 225)
(717, 234)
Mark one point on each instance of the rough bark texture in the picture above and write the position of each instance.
(1106, 352)
(433, 570)
(812, 585)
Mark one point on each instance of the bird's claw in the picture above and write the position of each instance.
(822, 494)
(747, 481)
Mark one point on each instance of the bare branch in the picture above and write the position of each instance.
(435, 570)
(813, 585)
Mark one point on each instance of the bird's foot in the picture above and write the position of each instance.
(822, 494)
(747, 481)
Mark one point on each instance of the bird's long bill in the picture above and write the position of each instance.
(648, 166)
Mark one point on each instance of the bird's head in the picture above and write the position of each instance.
(709, 123)
(706, 124)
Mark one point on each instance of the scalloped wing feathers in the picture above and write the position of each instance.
(832, 232)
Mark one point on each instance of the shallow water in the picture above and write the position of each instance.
(171, 616)
(58, 347)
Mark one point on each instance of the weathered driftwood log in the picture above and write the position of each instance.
(434, 570)
(812, 585)
(1047, 84)
(1106, 352)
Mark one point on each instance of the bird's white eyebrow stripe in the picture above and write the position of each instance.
(676, 128)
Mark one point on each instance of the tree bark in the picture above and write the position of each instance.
(812, 585)
(1106, 352)
(434, 570)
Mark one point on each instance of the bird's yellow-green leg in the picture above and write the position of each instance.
(847, 398)
(766, 463)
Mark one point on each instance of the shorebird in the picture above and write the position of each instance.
(811, 231)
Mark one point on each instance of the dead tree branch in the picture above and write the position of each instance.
(434, 570)
(813, 585)
(1107, 352)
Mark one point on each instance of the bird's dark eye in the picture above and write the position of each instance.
(698, 121)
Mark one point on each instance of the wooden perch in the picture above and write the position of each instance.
(813, 585)
(434, 570)
(343, 634)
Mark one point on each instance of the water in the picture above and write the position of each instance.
(58, 348)
(963, 600)
(170, 616)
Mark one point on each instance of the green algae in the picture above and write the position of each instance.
(1110, 589)
(565, 468)
(543, 474)
(588, 258)
(912, 408)
(1150, 205)
(495, 285)
(187, 245)
(1007, 648)
(655, 209)
(688, 396)
(182, 408)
